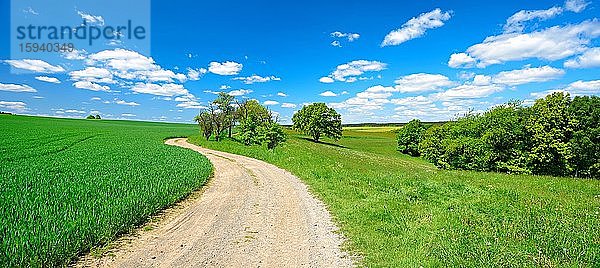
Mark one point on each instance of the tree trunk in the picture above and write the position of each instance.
(230, 127)
(316, 136)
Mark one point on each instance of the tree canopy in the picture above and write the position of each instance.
(318, 120)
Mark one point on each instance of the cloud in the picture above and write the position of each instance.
(195, 74)
(350, 36)
(128, 115)
(336, 43)
(576, 5)
(326, 80)
(328, 93)
(122, 61)
(73, 111)
(16, 88)
(420, 82)
(468, 91)
(240, 92)
(74, 54)
(528, 75)
(373, 98)
(590, 58)
(461, 60)
(257, 79)
(30, 10)
(96, 99)
(122, 102)
(167, 90)
(225, 68)
(288, 105)
(270, 102)
(48, 79)
(39, 66)
(17, 106)
(349, 72)
(584, 87)
(93, 74)
(416, 27)
(515, 22)
(552, 43)
(91, 19)
(90, 86)
(281, 94)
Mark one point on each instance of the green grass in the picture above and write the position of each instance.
(399, 211)
(69, 185)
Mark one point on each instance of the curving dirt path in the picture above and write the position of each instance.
(252, 214)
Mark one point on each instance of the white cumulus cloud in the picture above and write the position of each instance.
(225, 68)
(16, 88)
(48, 79)
(416, 27)
(39, 66)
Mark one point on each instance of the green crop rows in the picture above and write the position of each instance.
(68, 185)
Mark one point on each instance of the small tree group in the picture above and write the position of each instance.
(255, 123)
(318, 120)
(93, 117)
(558, 135)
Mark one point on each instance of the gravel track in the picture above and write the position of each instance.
(252, 214)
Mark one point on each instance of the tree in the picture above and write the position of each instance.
(204, 120)
(90, 117)
(219, 120)
(251, 115)
(317, 120)
(550, 130)
(409, 137)
(224, 103)
(98, 117)
(272, 134)
(584, 113)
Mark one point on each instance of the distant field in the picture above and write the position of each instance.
(399, 211)
(67, 185)
(372, 129)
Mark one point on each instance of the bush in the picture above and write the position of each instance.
(409, 137)
(557, 136)
(272, 134)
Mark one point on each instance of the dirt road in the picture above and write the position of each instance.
(252, 214)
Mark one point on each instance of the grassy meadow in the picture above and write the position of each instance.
(400, 211)
(68, 185)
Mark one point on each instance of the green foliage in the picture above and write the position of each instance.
(272, 134)
(224, 103)
(384, 201)
(409, 137)
(69, 185)
(556, 136)
(318, 120)
(252, 116)
(204, 120)
(585, 143)
(549, 129)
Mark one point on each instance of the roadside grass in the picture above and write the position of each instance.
(399, 211)
(67, 185)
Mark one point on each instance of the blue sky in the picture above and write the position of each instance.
(375, 61)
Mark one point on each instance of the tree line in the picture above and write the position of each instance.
(557, 135)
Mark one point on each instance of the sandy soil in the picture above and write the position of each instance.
(252, 214)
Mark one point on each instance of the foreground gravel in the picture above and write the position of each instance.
(252, 214)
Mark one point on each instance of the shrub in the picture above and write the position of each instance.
(409, 137)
